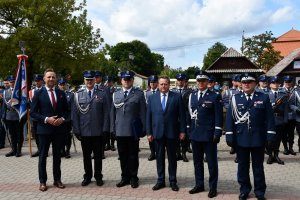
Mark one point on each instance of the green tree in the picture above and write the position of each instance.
(136, 56)
(190, 72)
(259, 50)
(213, 54)
(57, 34)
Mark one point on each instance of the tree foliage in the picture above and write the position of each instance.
(259, 50)
(57, 34)
(136, 56)
(213, 54)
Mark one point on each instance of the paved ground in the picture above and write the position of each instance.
(19, 178)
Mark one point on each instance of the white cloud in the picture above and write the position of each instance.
(168, 23)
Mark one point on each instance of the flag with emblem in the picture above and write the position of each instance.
(20, 95)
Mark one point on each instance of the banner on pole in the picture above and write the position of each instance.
(20, 95)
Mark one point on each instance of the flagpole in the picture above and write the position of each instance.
(22, 46)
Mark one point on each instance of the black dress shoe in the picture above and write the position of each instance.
(43, 187)
(261, 198)
(184, 158)
(11, 153)
(243, 196)
(196, 189)
(212, 193)
(286, 152)
(122, 183)
(18, 154)
(85, 182)
(174, 187)
(112, 148)
(158, 186)
(179, 157)
(134, 183)
(151, 157)
(59, 184)
(99, 182)
(36, 154)
(292, 152)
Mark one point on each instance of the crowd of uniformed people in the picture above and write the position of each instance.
(255, 114)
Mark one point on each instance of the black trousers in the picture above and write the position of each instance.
(278, 136)
(257, 160)
(15, 130)
(2, 136)
(160, 147)
(89, 145)
(57, 140)
(288, 133)
(128, 149)
(298, 131)
(68, 136)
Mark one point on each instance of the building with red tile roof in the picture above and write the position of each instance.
(287, 42)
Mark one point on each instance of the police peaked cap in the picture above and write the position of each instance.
(263, 78)
(89, 74)
(274, 79)
(61, 81)
(200, 75)
(288, 78)
(98, 73)
(153, 78)
(38, 77)
(127, 75)
(246, 77)
(180, 76)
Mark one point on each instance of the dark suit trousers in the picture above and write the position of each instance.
(210, 150)
(128, 149)
(33, 131)
(160, 146)
(57, 141)
(257, 158)
(89, 145)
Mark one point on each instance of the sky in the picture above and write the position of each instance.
(183, 30)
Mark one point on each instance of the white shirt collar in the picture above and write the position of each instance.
(127, 90)
(203, 92)
(162, 94)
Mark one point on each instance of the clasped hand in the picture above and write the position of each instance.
(55, 120)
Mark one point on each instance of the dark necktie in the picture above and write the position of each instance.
(90, 93)
(180, 90)
(125, 94)
(53, 99)
(201, 95)
(153, 91)
(248, 98)
(276, 95)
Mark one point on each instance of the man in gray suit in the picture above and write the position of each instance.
(11, 118)
(128, 116)
(90, 118)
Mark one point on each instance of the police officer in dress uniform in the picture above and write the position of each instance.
(110, 137)
(288, 134)
(100, 85)
(90, 119)
(235, 89)
(38, 80)
(65, 152)
(185, 92)
(153, 84)
(263, 84)
(279, 101)
(250, 124)
(14, 126)
(2, 129)
(294, 105)
(205, 107)
(127, 114)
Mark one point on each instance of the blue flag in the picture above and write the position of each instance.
(20, 95)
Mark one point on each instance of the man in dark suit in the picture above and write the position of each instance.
(49, 108)
(250, 124)
(90, 118)
(165, 123)
(205, 108)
